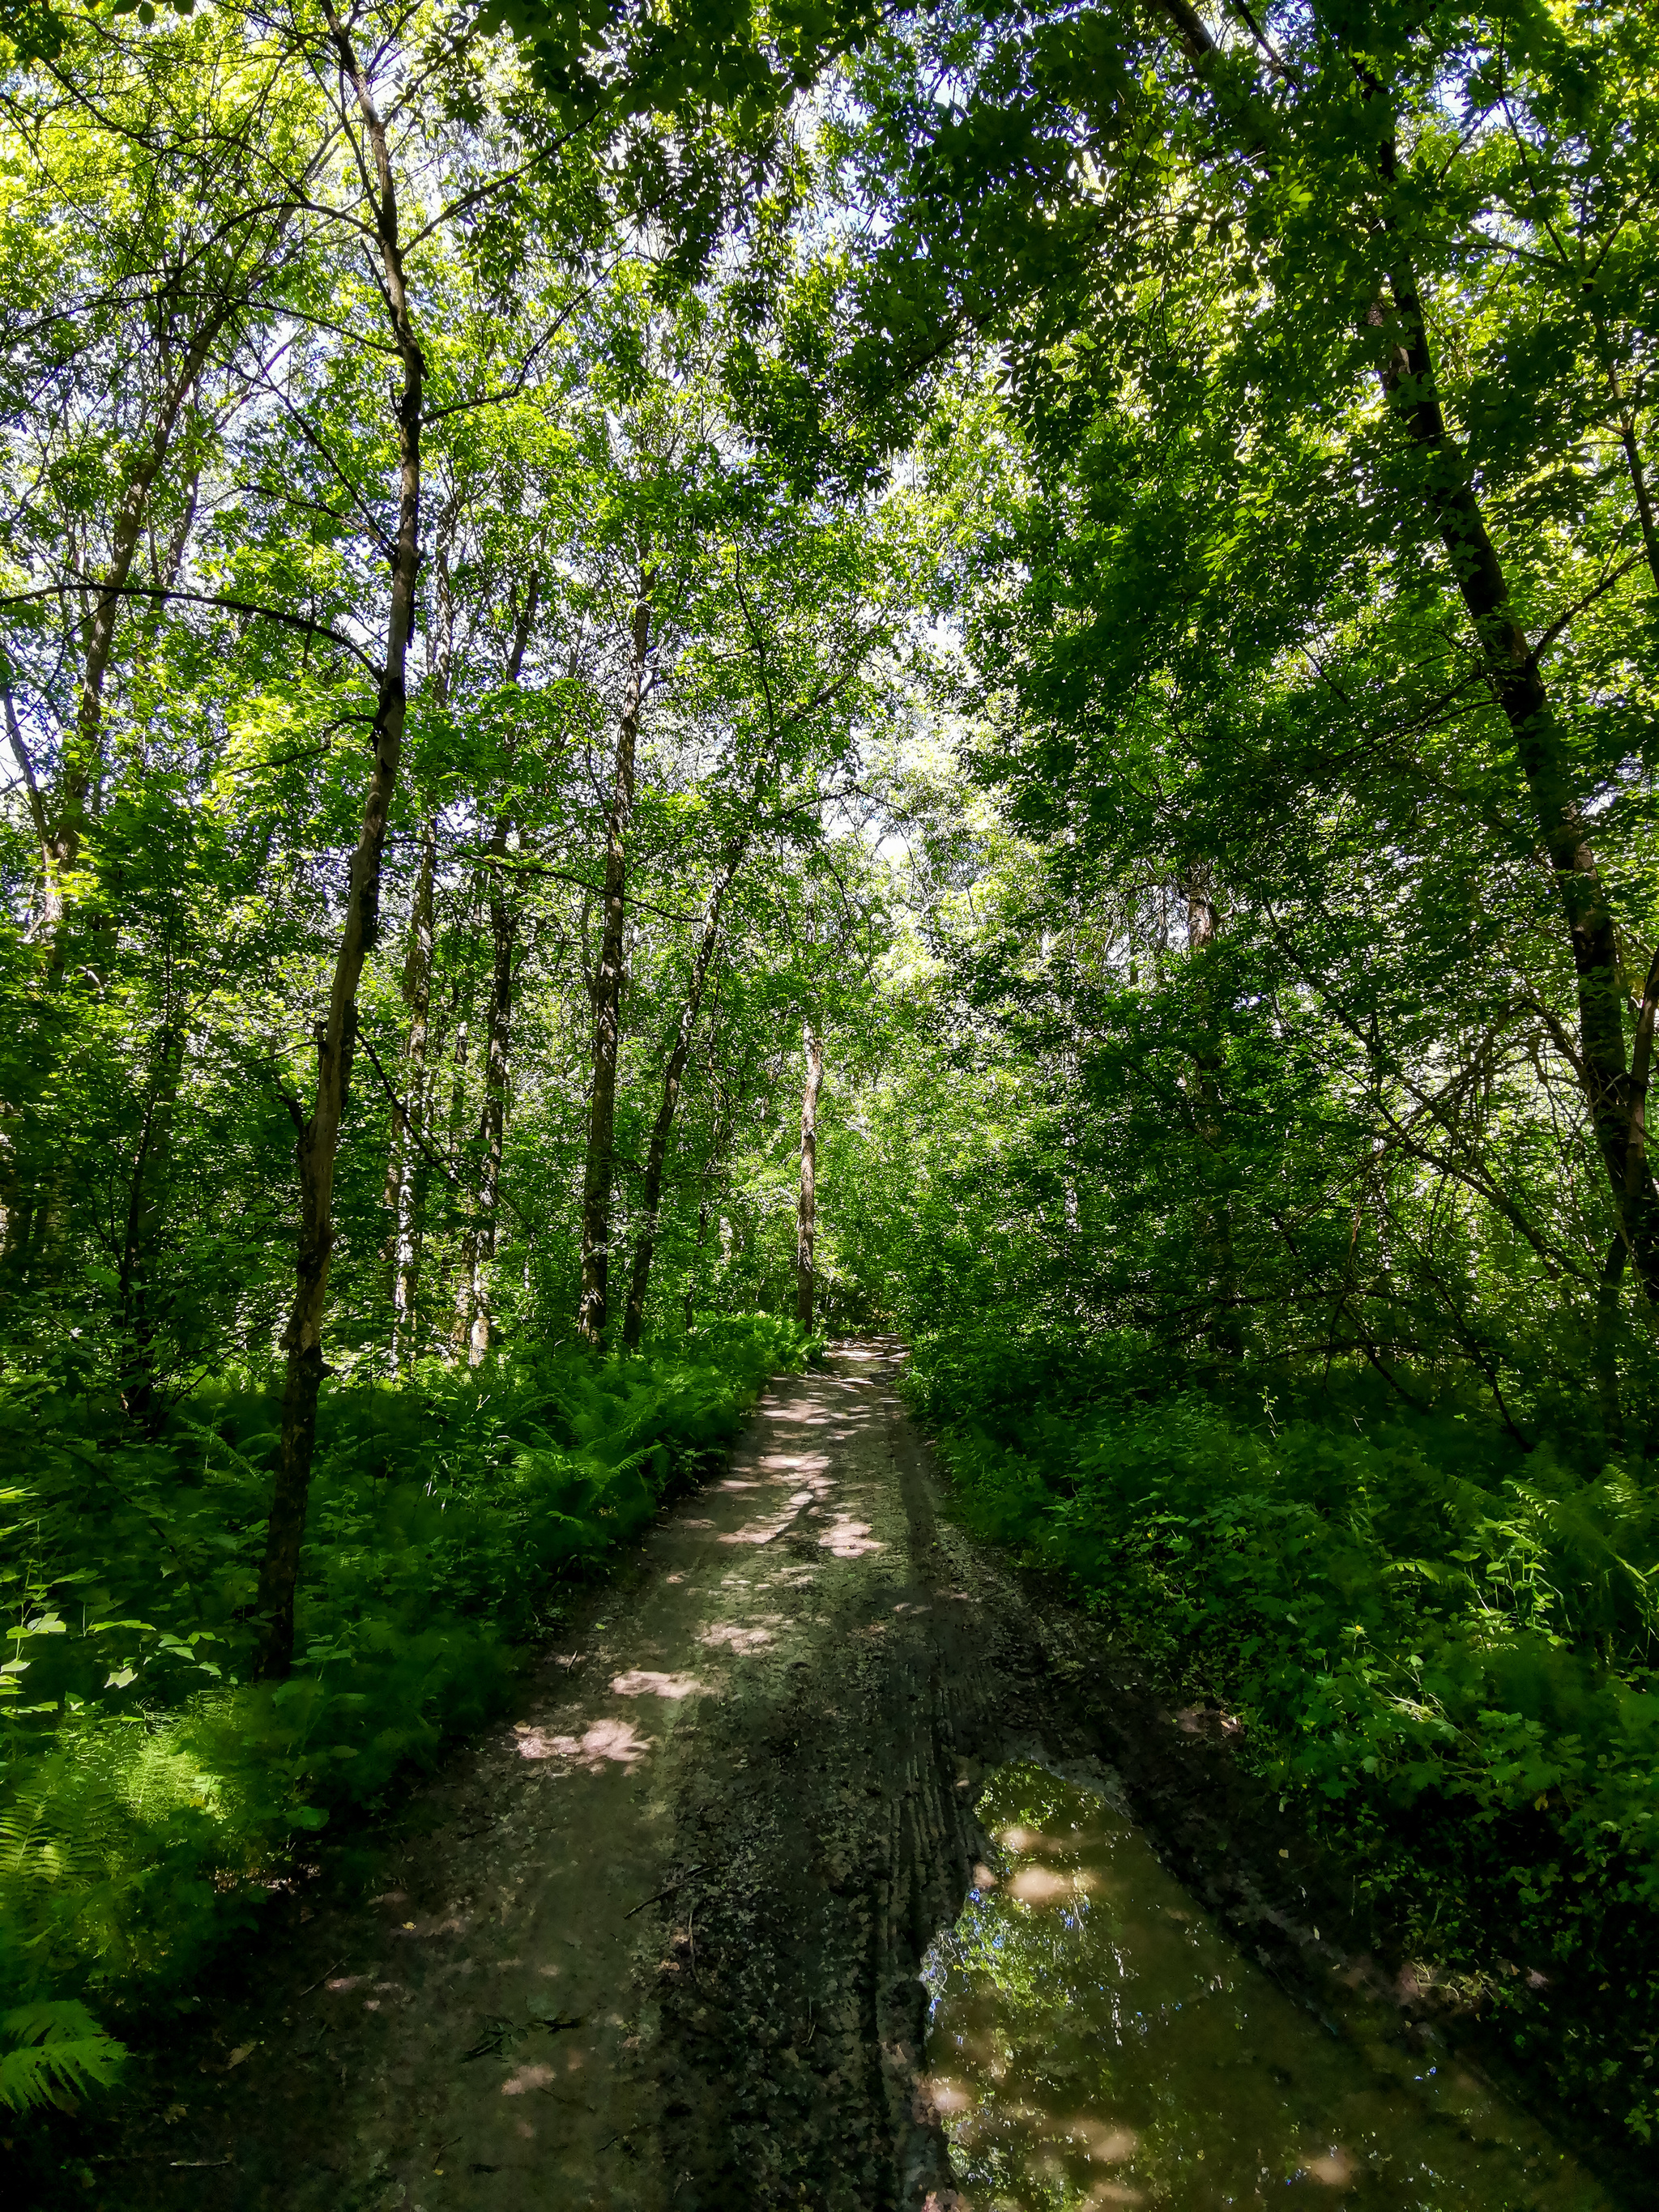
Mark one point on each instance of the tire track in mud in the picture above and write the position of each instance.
(653, 1945)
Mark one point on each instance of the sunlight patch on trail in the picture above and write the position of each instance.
(641, 1682)
(605, 1743)
(727, 1636)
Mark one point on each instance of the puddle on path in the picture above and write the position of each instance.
(1096, 2041)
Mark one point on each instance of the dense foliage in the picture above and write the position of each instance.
(1437, 1649)
(1039, 619)
(151, 1817)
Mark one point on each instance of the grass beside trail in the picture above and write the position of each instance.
(1441, 1650)
(151, 1792)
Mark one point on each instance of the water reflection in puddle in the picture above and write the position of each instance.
(1097, 2042)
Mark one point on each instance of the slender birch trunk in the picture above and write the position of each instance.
(503, 932)
(319, 1131)
(593, 1311)
(645, 1242)
(409, 1130)
(806, 1212)
(1218, 1225)
(493, 1113)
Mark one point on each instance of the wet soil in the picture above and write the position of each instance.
(1096, 2040)
(657, 1942)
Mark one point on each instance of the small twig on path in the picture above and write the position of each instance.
(678, 1882)
(320, 1979)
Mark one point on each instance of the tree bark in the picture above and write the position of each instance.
(1604, 1343)
(503, 932)
(410, 1122)
(406, 1154)
(1218, 1227)
(645, 1240)
(493, 1113)
(1408, 378)
(806, 1211)
(319, 1132)
(593, 1311)
(65, 828)
(1447, 486)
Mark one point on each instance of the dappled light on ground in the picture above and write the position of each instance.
(848, 1538)
(605, 1743)
(641, 1682)
(1096, 2042)
(728, 1635)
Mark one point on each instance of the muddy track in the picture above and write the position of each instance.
(655, 1943)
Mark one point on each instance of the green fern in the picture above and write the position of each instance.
(58, 2052)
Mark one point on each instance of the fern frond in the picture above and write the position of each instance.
(59, 2053)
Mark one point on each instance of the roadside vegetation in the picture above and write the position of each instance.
(1437, 1649)
(157, 1787)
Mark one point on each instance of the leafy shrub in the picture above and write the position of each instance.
(58, 2050)
(150, 1790)
(1441, 1648)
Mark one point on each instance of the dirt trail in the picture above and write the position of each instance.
(653, 1946)
(759, 1729)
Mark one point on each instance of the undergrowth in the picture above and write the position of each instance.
(152, 1793)
(1441, 1649)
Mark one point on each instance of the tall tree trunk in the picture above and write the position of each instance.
(406, 1177)
(65, 829)
(593, 1311)
(1605, 1344)
(319, 1132)
(503, 930)
(58, 813)
(409, 1130)
(1446, 484)
(806, 1212)
(717, 1141)
(1217, 1229)
(645, 1240)
(461, 1329)
(1408, 377)
(493, 1113)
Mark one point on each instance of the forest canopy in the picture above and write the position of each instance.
(679, 675)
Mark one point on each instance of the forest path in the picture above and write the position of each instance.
(655, 1942)
(653, 1945)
